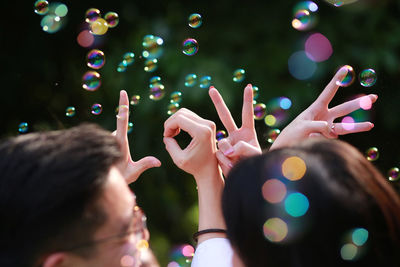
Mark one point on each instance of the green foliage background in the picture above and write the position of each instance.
(41, 75)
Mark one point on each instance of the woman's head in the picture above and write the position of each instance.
(320, 202)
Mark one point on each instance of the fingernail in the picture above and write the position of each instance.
(211, 87)
(372, 125)
(228, 151)
(376, 96)
(343, 71)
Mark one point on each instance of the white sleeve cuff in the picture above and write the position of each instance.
(213, 252)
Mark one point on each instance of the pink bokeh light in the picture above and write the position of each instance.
(318, 48)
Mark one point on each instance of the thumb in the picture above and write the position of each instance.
(138, 167)
(173, 149)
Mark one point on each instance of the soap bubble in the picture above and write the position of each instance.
(41, 7)
(195, 20)
(339, 3)
(121, 67)
(128, 58)
(99, 27)
(152, 46)
(272, 135)
(205, 81)
(255, 92)
(221, 134)
(23, 127)
(277, 111)
(130, 127)
(368, 77)
(154, 80)
(51, 23)
(135, 99)
(394, 174)
(372, 153)
(303, 20)
(92, 14)
(157, 92)
(70, 111)
(349, 78)
(95, 59)
(176, 97)
(91, 80)
(172, 108)
(150, 65)
(305, 5)
(97, 109)
(190, 47)
(238, 75)
(190, 80)
(112, 19)
(260, 111)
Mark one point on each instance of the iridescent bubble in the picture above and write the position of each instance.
(190, 80)
(296, 204)
(359, 236)
(272, 135)
(95, 59)
(98, 27)
(195, 20)
(348, 252)
(135, 99)
(91, 80)
(255, 92)
(372, 153)
(394, 174)
(205, 81)
(239, 75)
(260, 111)
(293, 168)
(23, 127)
(172, 108)
(303, 20)
(277, 108)
(41, 7)
(368, 77)
(128, 58)
(349, 78)
(339, 3)
(150, 65)
(301, 66)
(112, 19)
(305, 5)
(274, 191)
(70, 111)
(130, 127)
(51, 23)
(221, 134)
(190, 47)
(121, 67)
(275, 229)
(92, 14)
(61, 10)
(176, 97)
(154, 80)
(152, 46)
(157, 92)
(96, 109)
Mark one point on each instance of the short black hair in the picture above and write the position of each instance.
(49, 186)
(345, 192)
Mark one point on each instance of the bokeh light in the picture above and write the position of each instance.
(348, 123)
(260, 110)
(275, 229)
(205, 82)
(70, 111)
(372, 154)
(359, 236)
(61, 10)
(195, 20)
(274, 191)
(393, 174)
(130, 127)
(190, 80)
(349, 78)
(127, 261)
(365, 103)
(51, 23)
(348, 252)
(91, 80)
(221, 134)
(95, 59)
(368, 77)
(96, 109)
(238, 75)
(23, 127)
(85, 38)
(190, 47)
(181, 255)
(294, 168)
(135, 99)
(112, 19)
(300, 66)
(270, 120)
(272, 135)
(41, 7)
(296, 204)
(318, 48)
(157, 92)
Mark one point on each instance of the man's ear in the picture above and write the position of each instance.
(56, 259)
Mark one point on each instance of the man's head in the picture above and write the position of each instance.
(60, 192)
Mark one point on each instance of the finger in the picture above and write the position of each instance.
(313, 135)
(248, 110)
(319, 127)
(173, 149)
(225, 163)
(225, 147)
(347, 128)
(364, 102)
(244, 149)
(222, 110)
(330, 90)
(123, 115)
(140, 166)
(180, 121)
(190, 114)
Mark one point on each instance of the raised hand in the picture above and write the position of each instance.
(130, 169)
(240, 141)
(318, 118)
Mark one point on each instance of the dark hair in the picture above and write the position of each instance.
(49, 185)
(344, 192)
